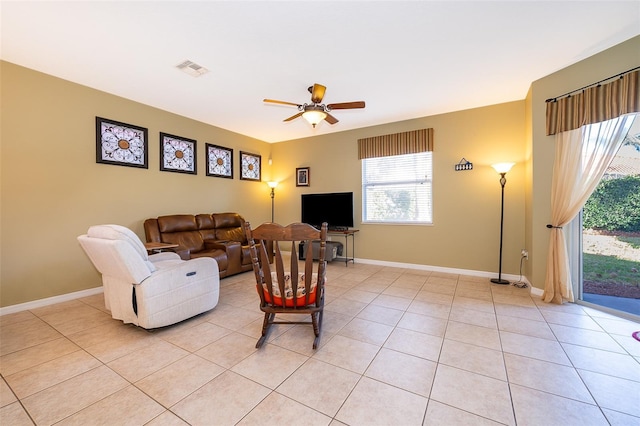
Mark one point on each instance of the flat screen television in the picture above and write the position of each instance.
(334, 208)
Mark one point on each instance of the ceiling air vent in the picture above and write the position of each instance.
(191, 68)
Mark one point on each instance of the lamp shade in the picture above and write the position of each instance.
(502, 167)
(314, 115)
(272, 184)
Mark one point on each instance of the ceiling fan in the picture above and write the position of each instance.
(315, 112)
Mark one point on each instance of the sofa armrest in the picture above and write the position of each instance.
(151, 231)
(183, 252)
(233, 249)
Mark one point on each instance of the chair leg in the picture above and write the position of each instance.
(268, 319)
(316, 320)
(260, 342)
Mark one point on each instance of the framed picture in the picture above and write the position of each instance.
(250, 166)
(219, 161)
(177, 154)
(302, 176)
(121, 144)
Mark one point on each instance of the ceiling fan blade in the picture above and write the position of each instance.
(346, 105)
(330, 119)
(293, 117)
(273, 101)
(317, 93)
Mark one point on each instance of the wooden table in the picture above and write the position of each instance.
(347, 233)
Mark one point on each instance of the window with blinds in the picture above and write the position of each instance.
(398, 189)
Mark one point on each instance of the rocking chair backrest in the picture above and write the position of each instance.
(281, 286)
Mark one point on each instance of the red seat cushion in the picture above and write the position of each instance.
(289, 299)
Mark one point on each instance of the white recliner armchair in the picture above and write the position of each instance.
(149, 290)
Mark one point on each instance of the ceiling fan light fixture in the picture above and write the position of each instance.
(314, 115)
(316, 111)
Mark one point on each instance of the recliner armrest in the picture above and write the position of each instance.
(233, 250)
(178, 272)
(165, 255)
(151, 231)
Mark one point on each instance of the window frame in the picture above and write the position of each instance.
(429, 178)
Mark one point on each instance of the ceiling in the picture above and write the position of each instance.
(405, 59)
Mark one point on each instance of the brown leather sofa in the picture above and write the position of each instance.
(217, 235)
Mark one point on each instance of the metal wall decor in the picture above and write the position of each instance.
(219, 161)
(250, 166)
(121, 144)
(177, 154)
(463, 165)
(302, 176)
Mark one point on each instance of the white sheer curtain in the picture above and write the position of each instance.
(582, 156)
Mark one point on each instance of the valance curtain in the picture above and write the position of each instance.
(595, 104)
(396, 144)
(582, 157)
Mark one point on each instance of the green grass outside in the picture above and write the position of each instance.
(632, 241)
(610, 269)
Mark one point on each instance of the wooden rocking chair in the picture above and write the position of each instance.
(287, 290)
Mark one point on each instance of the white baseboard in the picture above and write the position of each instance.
(49, 301)
(457, 271)
(536, 291)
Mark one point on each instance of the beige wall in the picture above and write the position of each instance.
(528, 186)
(465, 232)
(617, 59)
(53, 189)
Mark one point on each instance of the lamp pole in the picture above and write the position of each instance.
(273, 194)
(272, 185)
(501, 168)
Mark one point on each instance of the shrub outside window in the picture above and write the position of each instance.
(398, 189)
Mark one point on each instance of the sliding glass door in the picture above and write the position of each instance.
(603, 241)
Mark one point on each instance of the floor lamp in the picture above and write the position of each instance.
(501, 168)
(272, 185)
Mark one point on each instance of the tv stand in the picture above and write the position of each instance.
(347, 233)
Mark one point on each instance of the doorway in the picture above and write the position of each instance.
(609, 233)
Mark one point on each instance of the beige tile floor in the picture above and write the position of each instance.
(399, 347)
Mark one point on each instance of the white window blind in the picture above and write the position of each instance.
(398, 189)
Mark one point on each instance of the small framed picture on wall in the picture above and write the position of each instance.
(177, 154)
(121, 144)
(250, 166)
(302, 176)
(219, 161)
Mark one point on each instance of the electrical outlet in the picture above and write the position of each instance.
(525, 254)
